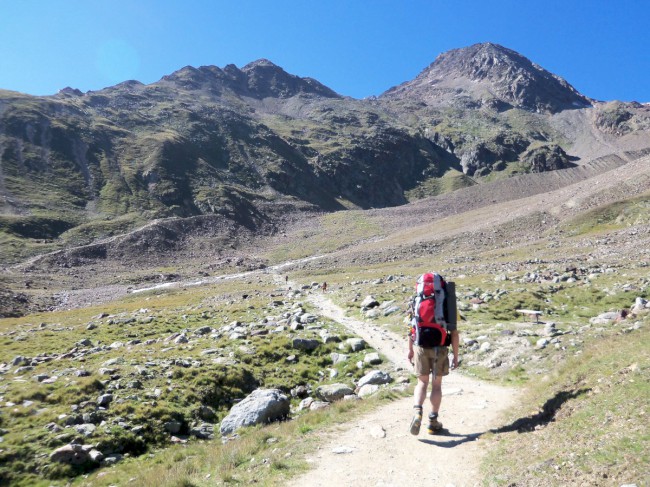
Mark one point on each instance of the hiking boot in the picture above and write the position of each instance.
(416, 422)
(434, 426)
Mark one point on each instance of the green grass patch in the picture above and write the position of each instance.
(132, 354)
(613, 216)
(450, 181)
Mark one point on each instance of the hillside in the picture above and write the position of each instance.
(168, 350)
(257, 144)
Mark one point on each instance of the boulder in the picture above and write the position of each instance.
(356, 344)
(367, 390)
(203, 431)
(372, 358)
(604, 318)
(376, 377)
(316, 405)
(305, 403)
(372, 313)
(95, 456)
(338, 357)
(369, 302)
(104, 400)
(111, 459)
(333, 392)
(640, 304)
(23, 369)
(300, 391)
(327, 338)
(307, 318)
(261, 406)
(305, 344)
(86, 429)
(19, 360)
(391, 310)
(181, 339)
(72, 454)
(204, 330)
(173, 427)
(550, 330)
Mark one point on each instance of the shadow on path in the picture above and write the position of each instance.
(545, 416)
(442, 443)
(521, 425)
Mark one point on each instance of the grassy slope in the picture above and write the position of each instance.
(590, 421)
(569, 304)
(28, 405)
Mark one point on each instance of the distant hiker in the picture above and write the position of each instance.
(324, 286)
(432, 329)
(286, 279)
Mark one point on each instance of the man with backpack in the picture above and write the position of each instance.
(432, 329)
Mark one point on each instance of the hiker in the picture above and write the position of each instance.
(324, 286)
(432, 329)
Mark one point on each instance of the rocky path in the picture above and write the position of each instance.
(378, 450)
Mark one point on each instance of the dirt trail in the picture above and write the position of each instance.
(378, 450)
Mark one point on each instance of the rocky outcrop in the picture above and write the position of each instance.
(619, 118)
(546, 158)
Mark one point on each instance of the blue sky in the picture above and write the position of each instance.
(358, 48)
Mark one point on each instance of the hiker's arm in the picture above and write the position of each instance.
(411, 353)
(454, 346)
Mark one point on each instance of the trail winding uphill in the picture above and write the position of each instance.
(378, 450)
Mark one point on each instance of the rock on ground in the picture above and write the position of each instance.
(261, 406)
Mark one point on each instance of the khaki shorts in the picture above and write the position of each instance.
(431, 360)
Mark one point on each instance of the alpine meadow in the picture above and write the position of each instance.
(164, 248)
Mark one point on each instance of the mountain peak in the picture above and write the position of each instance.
(266, 79)
(483, 61)
(260, 63)
(491, 71)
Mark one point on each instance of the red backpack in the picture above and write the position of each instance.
(433, 308)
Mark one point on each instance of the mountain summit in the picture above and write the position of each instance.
(493, 75)
(259, 79)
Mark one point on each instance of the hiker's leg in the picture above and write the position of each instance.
(420, 390)
(435, 426)
(422, 367)
(436, 394)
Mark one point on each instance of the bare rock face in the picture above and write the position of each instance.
(261, 406)
(619, 118)
(494, 74)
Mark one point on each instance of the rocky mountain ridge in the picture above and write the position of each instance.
(257, 143)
